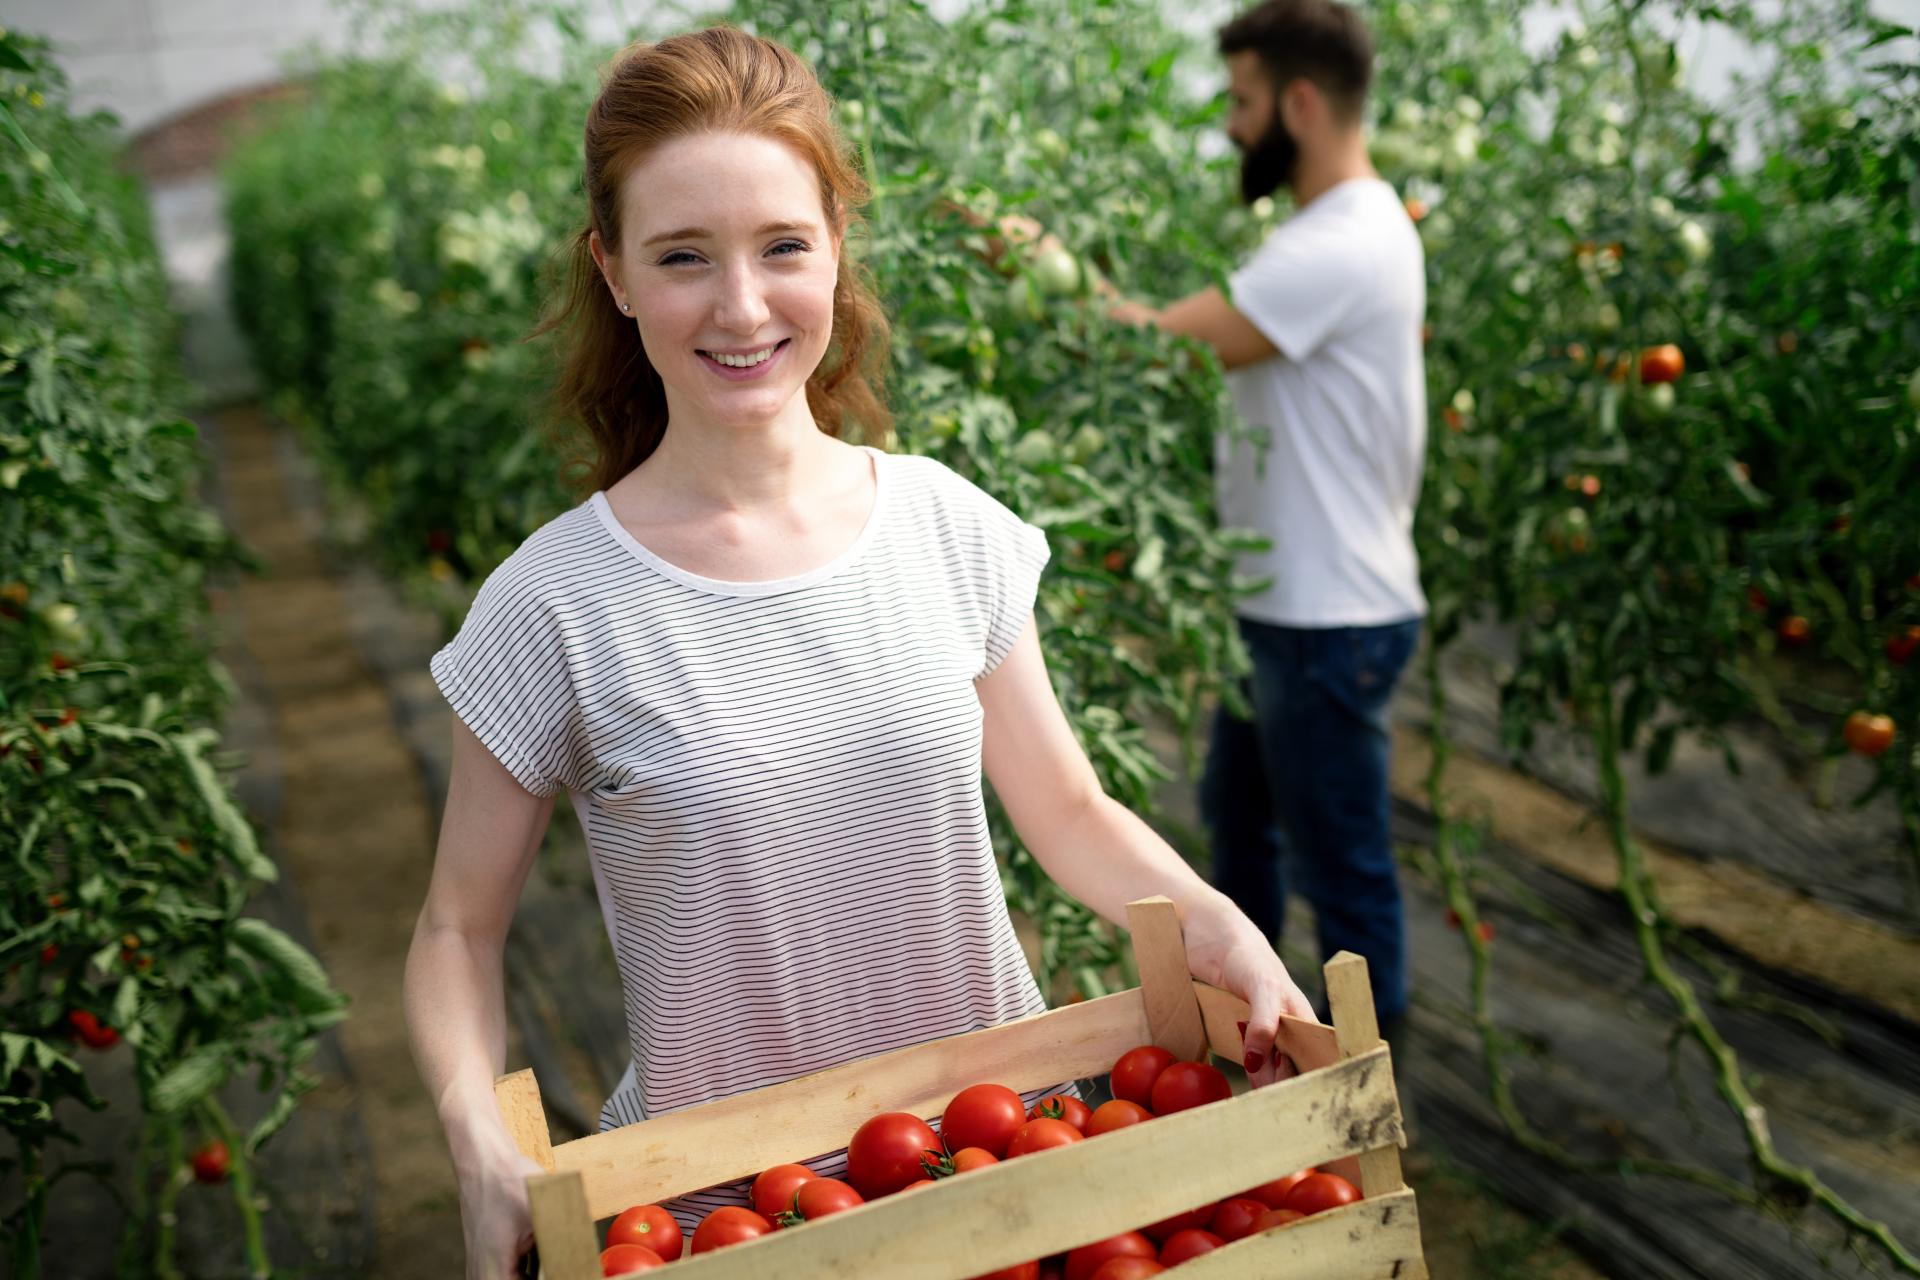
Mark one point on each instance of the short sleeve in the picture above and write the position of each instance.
(1300, 284)
(506, 675)
(1016, 553)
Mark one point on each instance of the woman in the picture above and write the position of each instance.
(766, 663)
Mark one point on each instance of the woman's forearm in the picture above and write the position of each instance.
(455, 1001)
(1106, 857)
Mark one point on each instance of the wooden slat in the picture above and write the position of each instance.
(1089, 1190)
(733, 1138)
(1377, 1239)
(518, 1096)
(1166, 981)
(1311, 1045)
(1357, 1029)
(569, 1246)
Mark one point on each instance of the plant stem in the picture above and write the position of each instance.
(1774, 1174)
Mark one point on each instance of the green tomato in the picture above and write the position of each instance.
(1050, 145)
(1086, 442)
(1660, 399)
(1058, 273)
(854, 112)
(64, 620)
(1024, 300)
(1034, 449)
(1695, 242)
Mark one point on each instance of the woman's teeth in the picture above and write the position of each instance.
(745, 362)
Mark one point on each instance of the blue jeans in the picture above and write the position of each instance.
(1301, 792)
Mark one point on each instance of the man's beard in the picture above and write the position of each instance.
(1269, 163)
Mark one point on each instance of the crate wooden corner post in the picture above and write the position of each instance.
(1356, 1029)
(556, 1202)
(1166, 982)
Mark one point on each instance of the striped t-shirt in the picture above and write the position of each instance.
(779, 783)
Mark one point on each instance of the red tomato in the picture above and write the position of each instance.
(1167, 1228)
(984, 1116)
(1318, 1191)
(1089, 1258)
(1868, 735)
(972, 1158)
(1133, 1074)
(1115, 1114)
(773, 1190)
(1901, 644)
(619, 1259)
(1795, 630)
(1019, 1271)
(1191, 1243)
(1274, 1194)
(210, 1162)
(1128, 1269)
(729, 1224)
(818, 1197)
(1235, 1218)
(1663, 363)
(884, 1155)
(1058, 1106)
(651, 1226)
(1039, 1135)
(93, 1033)
(1276, 1218)
(1188, 1084)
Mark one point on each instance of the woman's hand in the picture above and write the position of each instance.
(1227, 950)
(493, 1212)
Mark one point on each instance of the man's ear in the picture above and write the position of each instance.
(1302, 107)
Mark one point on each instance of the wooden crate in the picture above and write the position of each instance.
(1340, 1111)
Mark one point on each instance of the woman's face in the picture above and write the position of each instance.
(726, 256)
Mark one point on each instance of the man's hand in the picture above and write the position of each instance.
(1126, 311)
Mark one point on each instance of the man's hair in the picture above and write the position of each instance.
(1319, 39)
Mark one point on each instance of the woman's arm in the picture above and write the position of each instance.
(454, 989)
(1105, 856)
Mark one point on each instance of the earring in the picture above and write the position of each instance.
(626, 306)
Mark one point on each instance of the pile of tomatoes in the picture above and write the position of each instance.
(983, 1125)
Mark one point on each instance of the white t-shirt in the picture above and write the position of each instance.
(1340, 288)
(779, 782)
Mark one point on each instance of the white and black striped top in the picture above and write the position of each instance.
(779, 782)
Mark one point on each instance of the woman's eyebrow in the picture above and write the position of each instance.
(701, 233)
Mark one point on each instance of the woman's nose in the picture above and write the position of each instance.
(742, 307)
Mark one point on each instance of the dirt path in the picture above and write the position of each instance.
(355, 830)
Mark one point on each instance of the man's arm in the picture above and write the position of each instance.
(1208, 316)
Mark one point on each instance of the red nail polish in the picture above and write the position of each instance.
(1252, 1060)
(1276, 1055)
(1243, 1029)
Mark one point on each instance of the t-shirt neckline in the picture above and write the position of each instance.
(772, 586)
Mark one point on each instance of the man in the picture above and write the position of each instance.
(1321, 343)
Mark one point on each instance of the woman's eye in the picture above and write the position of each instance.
(675, 258)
